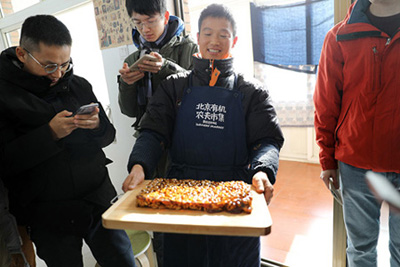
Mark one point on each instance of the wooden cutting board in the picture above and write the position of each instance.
(125, 214)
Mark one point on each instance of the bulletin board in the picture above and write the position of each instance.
(113, 23)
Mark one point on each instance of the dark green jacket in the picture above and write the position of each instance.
(178, 54)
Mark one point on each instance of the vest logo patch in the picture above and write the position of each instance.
(210, 115)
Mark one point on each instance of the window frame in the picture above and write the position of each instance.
(341, 8)
(14, 21)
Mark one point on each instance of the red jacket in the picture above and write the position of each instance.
(357, 96)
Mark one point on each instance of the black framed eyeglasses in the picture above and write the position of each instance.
(149, 24)
(50, 68)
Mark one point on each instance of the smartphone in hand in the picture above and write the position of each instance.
(86, 109)
(135, 66)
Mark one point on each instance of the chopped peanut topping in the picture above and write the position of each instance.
(210, 196)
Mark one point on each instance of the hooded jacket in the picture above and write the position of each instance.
(36, 168)
(263, 134)
(177, 52)
(357, 95)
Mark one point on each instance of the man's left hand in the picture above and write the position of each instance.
(88, 121)
(263, 185)
(152, 66)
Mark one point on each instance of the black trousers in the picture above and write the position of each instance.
(110, 247)
(181, 250)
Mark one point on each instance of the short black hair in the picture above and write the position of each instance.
(146, 7)
(217, 11)
(46, 29)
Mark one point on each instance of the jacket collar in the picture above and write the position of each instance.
(203, 68)
(357, 25)
(175, 28)
(358, 12)
(12, 72)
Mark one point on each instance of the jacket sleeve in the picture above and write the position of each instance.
(105, 134)
(261, 118)
(155, 128)
(22, 153)
(127, 98)
(265, 137)
(185, 60)
(264, 156)
(147, 151)
(327, 100)
(127, 93)
(161, 111)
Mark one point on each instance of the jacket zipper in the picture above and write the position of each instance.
(376, 69)
(377, 66)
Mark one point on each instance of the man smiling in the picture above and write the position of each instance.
(216, 29)
(217, 125)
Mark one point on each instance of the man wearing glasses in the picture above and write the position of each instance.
(157, 33)
(51, 160)
(52, 69)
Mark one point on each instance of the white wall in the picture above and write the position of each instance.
(299, 145)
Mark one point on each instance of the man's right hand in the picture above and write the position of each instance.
(330, 174)
(129, 76)
(62, 124)
(135, 177)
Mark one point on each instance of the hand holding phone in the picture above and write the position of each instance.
(135, 66)
(90, 119)
(128, 76)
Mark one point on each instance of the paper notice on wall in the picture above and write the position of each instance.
(113, 23)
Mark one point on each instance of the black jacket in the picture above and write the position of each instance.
(263, 133)
(36, 168)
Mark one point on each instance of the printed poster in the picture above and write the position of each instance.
(113, 23)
